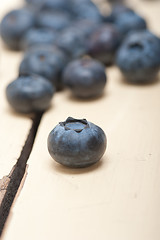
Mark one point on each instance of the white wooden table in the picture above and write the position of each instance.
(116, 199)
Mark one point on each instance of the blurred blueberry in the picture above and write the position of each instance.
(72, 42)
(103, 43)
(86, 78)
(86, 10)
(29, 93)
(35, 2)
(35, 36)
(50, 4)
(129, 21)
(14, 25)
(77, 143)
(54, 20)
(85, 26)
(116, 2)
(63, 5)
(117, 9)
(45, 61)
(139, 57)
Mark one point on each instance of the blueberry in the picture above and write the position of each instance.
(86, 78)
(115, 1)
(45, 61)
(139, 57)
(36, 36)
(129, 21)
(35, 2)
(85, 26)
(103, 43)
(86, 10)
(50, 4)
(14, 25)
(72, 42)
(76, 143)
(117, 9)
(55, 20)
(57, 5)
(29, 93)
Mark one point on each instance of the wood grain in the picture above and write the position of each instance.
(13, 127)
(116, 199)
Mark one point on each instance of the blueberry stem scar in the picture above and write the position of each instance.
(72, 123)
(18, 172)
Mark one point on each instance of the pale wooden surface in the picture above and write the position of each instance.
(13, 127)
(117, 199)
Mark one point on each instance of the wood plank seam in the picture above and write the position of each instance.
(4, 184)
(9, 185)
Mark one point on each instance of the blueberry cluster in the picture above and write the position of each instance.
(61, 39)
(68, 44)
(55, 36)
(138, 56)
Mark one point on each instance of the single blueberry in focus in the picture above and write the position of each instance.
(14, 25)
(72, 42)
(35, 36)
(129, 21)
(139, 57)
(45, 61)
(77, 143)
(103, 43)
(29, 93)
(54, 20)
(86, 78)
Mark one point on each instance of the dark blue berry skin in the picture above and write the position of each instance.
(117, 9)
(54, 20)
(103, 43)
(35, 2)
(50, 4)
(139, 57)
(115, 2)
(72, 42)
(45, 61)
(29, 94)
(86, 10)
(14, 25)
(129, 21)
(86, 78)
(62, 5)
(77, 143)
(35, 36)
(85, 26)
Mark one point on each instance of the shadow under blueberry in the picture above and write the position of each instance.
(84, 100)
(67, 170)
(9, 49)
(31, 116)
(153, 82)
(14, 113)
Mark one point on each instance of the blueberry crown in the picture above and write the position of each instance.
(76, 125)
